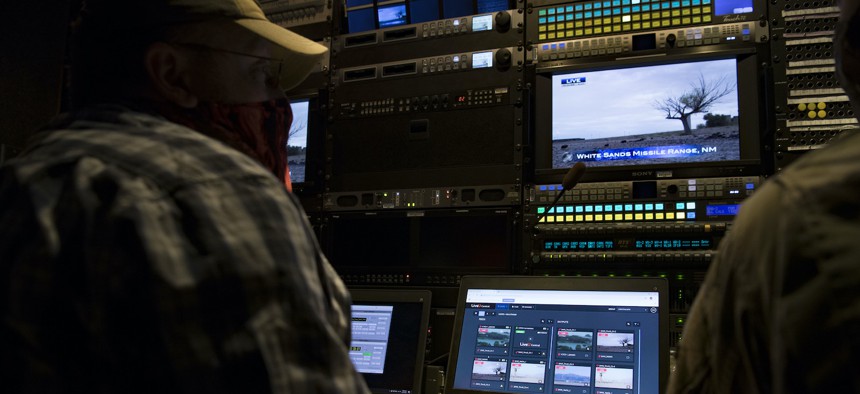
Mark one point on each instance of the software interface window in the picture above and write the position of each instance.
(542, 341)
(371, 325)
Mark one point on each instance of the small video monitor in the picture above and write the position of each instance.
(391, 15)
(482, 22)
(482, 59)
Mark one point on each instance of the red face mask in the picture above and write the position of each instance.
(259, 130)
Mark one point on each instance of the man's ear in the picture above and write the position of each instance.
(167, 69)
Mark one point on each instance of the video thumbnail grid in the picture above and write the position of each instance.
(573, 360)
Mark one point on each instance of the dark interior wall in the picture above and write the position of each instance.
(32, 47)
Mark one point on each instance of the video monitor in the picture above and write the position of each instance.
(515, 334)
(391, 15)
(685, 112)
(389, 334)
(492, 6)
(297, 140)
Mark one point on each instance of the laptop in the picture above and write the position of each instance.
(389, 334)
(582, 335)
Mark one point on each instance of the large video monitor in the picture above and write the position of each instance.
(669, 114)
(297, 141)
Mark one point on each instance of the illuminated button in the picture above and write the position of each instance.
(659, 216)
(679, 215)
(638, 207)
(541, 210)
(649, 216)
(598, 208)
(589, 218)
(550, 36)
(589, 208)
(625, 18)
(697, 19)
(550, 219)
(559, 218)
(628, 216)
(541, 37)
(691, 215)
(551, 11)
(706, 9)
(619, 216)
(670, 215)
(618, 208)
(659, 206)
(679, 205)
(578, 218)
(697, 10)
(607, 208)
(685, 12)
(542, 12)
(691, 205)
(649, 207)
(579, 209)
(801, 107)
(638, 216)
(568, 209)
(568, 218)
(822, 114)
(822, 105)
(598, 218)
(628, 207)
(706, 18)
(588, 31)
(811, 114)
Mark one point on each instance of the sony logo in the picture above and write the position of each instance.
(734, 18)
(642, 173)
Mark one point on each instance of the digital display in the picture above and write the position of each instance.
(392, 15)
(297, 140)
(672, 113)
(722, 209)
(725, 7)
(482, 23)
(482, 59)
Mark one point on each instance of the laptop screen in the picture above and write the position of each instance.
(560, 335)
(389, 332)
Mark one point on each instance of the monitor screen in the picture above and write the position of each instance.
(684, 112)
(297, 141)
(388, 338)
(567, 339)
(391, 15)
(492, 5)
(456, 8)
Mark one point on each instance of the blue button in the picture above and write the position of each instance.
(649, 207)
(628, 207)
(659, 207)
(568, 209)
(579, 209)
(679, 205)
(607, 208)
(638, 207)
(691, 215)
(618, 208)
(598, 208)
(541, 210)
(589, 208)
(751, 186)
(542, 187)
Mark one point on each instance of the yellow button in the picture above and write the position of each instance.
(646, 17)
(541, 28)
(649, 216)
(676, 12)
(551, 27)
(578, 218)
(541, 37)
(588, 31)
(628, 216)
(822, 105)
(619, 216)
(560, 26)
(685, 21)
(588, 23)
(616, 19)
(659, 216)
(811, 114)
(706, 18)
(676, 21)
(579, 32)
(706, 9)
(550, 219)
(637, 26)
(589, 218)
(697, 19)
(822, 114)
(638, 216)
(697, 10)
(801, 107)
(646, 25)
(578, 24)
(670, 215)
(551, 36)
(568, 218)
(598, 218)
(685, 11)
(636, 17)
(666, 14)
(598, 30)
(570, 33)
(607, 21)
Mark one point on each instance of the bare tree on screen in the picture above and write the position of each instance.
(701, 96)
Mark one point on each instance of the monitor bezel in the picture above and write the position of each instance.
(660, 285)
(424, 297)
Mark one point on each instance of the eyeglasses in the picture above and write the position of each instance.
(272, 71)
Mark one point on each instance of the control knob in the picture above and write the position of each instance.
(503, 22)
(503, 59)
